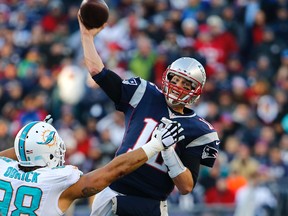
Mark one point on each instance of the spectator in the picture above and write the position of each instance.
(220, 194)
(255, 198)
(143, 59)
(243, 163)
(6, 140)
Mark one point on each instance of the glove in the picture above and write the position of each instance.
(48, 119)
(164, 135)
(168, 132)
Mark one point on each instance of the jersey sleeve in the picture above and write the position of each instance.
(209, 153)
(54, 181)
(110, 82)
(133, 90)
(64, 176)
(205, 143)
(74, 175)
(5, 163)
(7, 160)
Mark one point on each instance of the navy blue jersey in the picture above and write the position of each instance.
(144, 105)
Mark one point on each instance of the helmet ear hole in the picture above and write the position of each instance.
(170, 76)
(51, 156)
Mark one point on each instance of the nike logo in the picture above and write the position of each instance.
(217, 142)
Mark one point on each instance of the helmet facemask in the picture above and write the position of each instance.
(58, 158)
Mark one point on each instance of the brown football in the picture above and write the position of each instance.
(94, 13)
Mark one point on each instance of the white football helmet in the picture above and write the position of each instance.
(38, 144)
(190, 69)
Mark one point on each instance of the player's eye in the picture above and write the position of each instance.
(188, 86)
(175, 80)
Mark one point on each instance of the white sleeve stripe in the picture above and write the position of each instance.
(138, 94)
(207, 138)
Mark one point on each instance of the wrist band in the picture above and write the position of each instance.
(152, 147)
(173, 162)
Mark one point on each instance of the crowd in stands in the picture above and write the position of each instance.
(243, 45)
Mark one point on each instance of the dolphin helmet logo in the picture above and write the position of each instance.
(49, 138)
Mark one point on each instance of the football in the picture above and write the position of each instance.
(94, 13)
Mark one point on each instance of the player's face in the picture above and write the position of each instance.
(181, 83)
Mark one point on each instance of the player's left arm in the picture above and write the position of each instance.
(9, 153)
(183, 172)
(182, 182)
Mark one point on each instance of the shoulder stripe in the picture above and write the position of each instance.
(206, 138)
(138, 94)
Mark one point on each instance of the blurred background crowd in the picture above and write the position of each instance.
(243, 45)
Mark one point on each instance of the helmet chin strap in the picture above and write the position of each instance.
(172, 102)
(171, 99)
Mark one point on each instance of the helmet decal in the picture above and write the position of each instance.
(22, 139)
(49, 139)
(201, 68)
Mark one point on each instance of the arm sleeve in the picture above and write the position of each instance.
(193, 164)
(111, 84)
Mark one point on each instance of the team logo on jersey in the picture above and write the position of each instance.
(130, 82)
(48, 137)
(209, 152)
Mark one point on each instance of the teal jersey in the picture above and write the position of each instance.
(33, 193)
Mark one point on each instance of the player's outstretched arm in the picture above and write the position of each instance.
(93, 182)
(92, 59)
(9, 153)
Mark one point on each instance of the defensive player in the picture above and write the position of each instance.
(144, 192)
(39, 183)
